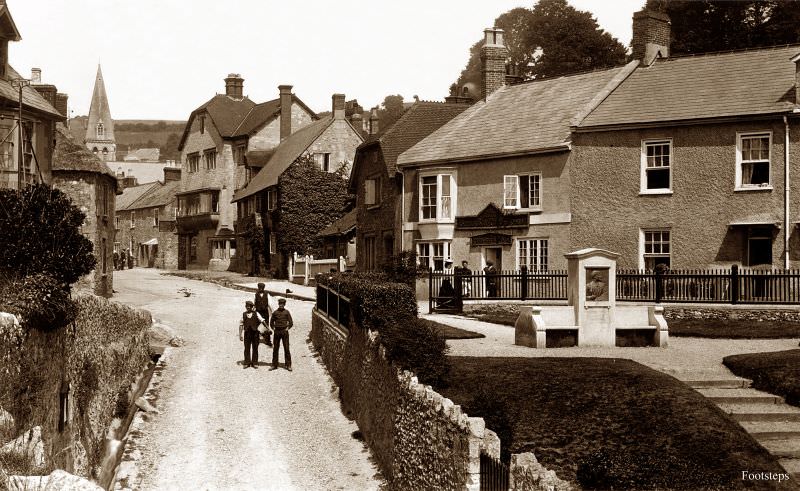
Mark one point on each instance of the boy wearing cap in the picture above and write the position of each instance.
(263, 308)
(281, 322)
(248, 332)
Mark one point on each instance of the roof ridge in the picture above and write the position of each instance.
(730, 51)
(566, 75)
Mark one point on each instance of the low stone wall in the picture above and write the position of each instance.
(88, 365)
(527, 474)
(419, 439)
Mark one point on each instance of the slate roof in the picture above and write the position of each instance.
(159, 195)
(340, 226)
(257, 116)
(30, 97)
(518, 119)
(226, 113)
(144, 154)
(133, 193)
(285, 154)
(71, 156)
(747, 82)
(144, 172)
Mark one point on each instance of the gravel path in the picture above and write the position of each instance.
(685, 358)
(224, 427)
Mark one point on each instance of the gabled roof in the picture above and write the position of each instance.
(31, 99)
(159, 195)
(133, 193)
(71, 156)
(257, 116)
(285, 154)
(225, 112)
(746, 82)
(9, 28)
(144, 172)
(526, 118)
(146, 154)
(99, 111)
(341, 226)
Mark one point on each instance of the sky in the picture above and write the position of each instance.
(163, 58)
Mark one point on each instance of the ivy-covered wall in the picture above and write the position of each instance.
(90, 364)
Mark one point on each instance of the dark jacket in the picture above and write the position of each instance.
(281, 319)
(251, 323)
(262, 301)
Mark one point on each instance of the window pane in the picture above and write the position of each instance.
(429, 197)
(510, 191)
(525, 192)
(534, 191)
(658, 178)
(446, 196)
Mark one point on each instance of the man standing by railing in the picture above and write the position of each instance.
(491, 278)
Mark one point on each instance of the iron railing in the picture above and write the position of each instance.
(494, 474)
(334, 305)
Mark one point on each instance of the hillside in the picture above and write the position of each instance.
(138, 133)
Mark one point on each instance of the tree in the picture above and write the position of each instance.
(390, 111)
(701, 26)
(550, 40)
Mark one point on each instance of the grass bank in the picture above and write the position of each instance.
(775, 372)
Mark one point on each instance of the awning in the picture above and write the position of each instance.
(151, 242)
(755, 222)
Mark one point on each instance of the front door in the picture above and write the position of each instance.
(494, 254)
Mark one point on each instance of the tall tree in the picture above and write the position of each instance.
(701, 26)
(551, 39)
(390, 111)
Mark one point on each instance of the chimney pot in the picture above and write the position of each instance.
(493, 61)
(61, 104)
(36, 76)
(651, 36)
(234, 86)
(285, 92)
(338, 106)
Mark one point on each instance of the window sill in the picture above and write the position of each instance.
(655, 192)
(752, 188)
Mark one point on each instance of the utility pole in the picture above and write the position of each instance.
(20, 83)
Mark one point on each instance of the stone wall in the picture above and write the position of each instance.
(89, 366)
(419, 439)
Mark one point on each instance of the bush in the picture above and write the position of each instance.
(403, 268)
(416, 346)
(494, 411)
(41, 234)
(38, 300)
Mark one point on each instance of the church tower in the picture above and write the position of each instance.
(100, 128)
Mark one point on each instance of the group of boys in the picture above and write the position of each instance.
(260, 318)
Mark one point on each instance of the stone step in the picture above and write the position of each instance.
(739, 395)
(732, 383)
(768, 430)
(761, 412)
(788, 448)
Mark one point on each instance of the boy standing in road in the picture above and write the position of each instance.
(263, 308)
(248, 332)
(281, 322)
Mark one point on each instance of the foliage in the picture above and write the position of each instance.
(717, 25)
(494, 411)
(253, 233)
(41, 234)
(776, 372)
(310, 199)
(391, 309)
(403, 268)
(390, 111)
(38, 300)
(549, 40)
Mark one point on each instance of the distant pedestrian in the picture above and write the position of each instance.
(264, 309)
(491, 279)
(123, 259)
(130, 260)
(281, 322)
(465, 277)
(248, 332)
(116, 259)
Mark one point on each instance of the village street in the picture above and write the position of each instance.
(224, 427)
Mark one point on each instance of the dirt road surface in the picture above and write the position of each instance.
(224, 427)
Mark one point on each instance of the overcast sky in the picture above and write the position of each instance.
(163, 58)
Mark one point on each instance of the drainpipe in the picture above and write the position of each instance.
(402, 209)
(786, 188)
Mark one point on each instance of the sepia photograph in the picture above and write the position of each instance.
(506, 245)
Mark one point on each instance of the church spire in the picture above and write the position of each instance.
(100, 127)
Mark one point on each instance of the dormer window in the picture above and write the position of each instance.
(100, 131)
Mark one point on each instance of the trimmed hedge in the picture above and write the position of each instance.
(391, 310)
(38, 300)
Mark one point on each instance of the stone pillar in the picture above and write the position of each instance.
(592, 293)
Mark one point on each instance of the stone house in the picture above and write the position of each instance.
(339, 239)
(93, 188)
(39, 118)
(689, 161)
(145, 222)
(377, 183)
(224, 143)
(331, 141)
(493, 183)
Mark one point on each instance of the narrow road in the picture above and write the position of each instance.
(224, 427)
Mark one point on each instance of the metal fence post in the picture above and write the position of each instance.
(524, 290)
(430, 290)
(659, 284)
(734, 284)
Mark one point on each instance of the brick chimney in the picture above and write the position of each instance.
(61, 104)
(373, 121)
(234, 85)
(337, 106)
(36, 76)
(285, 92)
(493, 61)
(172, 173)
(651, 36)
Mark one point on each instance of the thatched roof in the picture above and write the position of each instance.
(72, 156)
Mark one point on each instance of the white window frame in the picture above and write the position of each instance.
(193, 162)
(643, 255)
(643, 189)
(540, 261)
(272, 199)
(440, 176)
(371, 197)
(738, 185)
(515, 202)
(431, 257)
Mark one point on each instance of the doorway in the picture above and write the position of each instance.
(494, 254)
